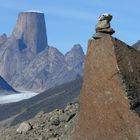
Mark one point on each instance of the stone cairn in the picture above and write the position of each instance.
(103, 26)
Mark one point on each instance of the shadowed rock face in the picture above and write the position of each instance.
(105, 110)
(30, 30)
(4, 86)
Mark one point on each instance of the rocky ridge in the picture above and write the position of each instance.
(29, 63)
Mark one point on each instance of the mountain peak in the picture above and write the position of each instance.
(77, 48)
(30, 30)
(75, 58)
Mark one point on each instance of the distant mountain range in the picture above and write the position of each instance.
(27, 62)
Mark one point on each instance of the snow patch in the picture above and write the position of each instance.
(33, 11)
(4, 99)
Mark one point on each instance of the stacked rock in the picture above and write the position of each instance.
(103, 26)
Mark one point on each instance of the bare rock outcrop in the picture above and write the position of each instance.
(111, 74)
(30, 30)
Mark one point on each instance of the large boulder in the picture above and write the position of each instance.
(24, 127)
(111, 67)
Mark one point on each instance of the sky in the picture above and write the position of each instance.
(73, 22)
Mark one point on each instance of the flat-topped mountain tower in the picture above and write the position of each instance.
(30, 29)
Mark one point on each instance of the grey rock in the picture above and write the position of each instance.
(103, 26)
(67, 117)
(55, 121)
(24, 127)
(70, 116)
(48, 132)
(99, 35)
(40, 138)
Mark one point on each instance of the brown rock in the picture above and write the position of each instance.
(105, 111)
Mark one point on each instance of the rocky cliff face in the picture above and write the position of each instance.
(30, 30)
(28, 63)
(111, 73)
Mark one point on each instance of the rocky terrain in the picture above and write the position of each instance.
(55, 125)
(27, 62)
(55, 98)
